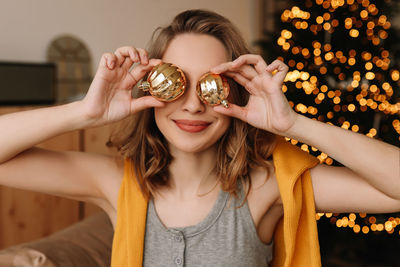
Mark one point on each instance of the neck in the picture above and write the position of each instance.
(192, 174)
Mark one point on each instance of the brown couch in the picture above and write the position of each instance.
(84, 244)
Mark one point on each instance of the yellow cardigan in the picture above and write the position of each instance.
(295, 239)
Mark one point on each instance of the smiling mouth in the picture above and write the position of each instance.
(190, 126)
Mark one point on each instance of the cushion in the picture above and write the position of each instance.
(84, 244)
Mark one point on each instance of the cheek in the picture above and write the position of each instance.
(168, 108)
(225, 123)
(160, 117)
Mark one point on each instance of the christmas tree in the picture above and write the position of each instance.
(343, 58)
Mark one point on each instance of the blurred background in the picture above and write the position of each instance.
(344, 69)
(344, 58)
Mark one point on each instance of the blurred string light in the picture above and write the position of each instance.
(373, 88)
(369, 223)
(371, 96)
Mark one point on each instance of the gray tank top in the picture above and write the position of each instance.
(226, 237)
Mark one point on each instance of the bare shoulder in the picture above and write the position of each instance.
(104, 173)
(107, 174)
(264, 192)
(264, 186)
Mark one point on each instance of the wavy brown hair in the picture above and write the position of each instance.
(241, 148)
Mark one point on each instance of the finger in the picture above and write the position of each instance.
(154, 62)
(143, 56)
(108, 60)
(226, 66)
(232, 111)
(280, 67)
(245, 70)
(128, 51)
(129, 55)
(140, 70)
(243, 81)
(144, 102)
(120, 58)
(126, 54)
(127, 64)
(256, 60)
(222, 68)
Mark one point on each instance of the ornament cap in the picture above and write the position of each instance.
(225, 103)
(144, 85)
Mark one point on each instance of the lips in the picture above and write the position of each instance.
(192, 126)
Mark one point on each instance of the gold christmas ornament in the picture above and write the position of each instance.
(166, 82)
(213, 89)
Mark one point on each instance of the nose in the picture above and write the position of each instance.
(191, 102)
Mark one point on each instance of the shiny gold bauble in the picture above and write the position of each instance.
(213, 89)
(166, 82)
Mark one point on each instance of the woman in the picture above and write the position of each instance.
(183, 159)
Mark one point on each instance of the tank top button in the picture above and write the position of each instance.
(178, 238)
(178, 261)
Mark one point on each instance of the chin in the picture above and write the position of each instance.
(191, 148)
(188, 146)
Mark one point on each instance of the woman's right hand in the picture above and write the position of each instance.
(109, 98)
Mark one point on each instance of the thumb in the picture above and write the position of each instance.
(144, 102)
(232, 111)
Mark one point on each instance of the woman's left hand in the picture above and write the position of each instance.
(267, 108)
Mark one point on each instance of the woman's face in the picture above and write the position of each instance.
(186, 123)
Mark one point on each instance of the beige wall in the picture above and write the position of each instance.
(27, 27)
